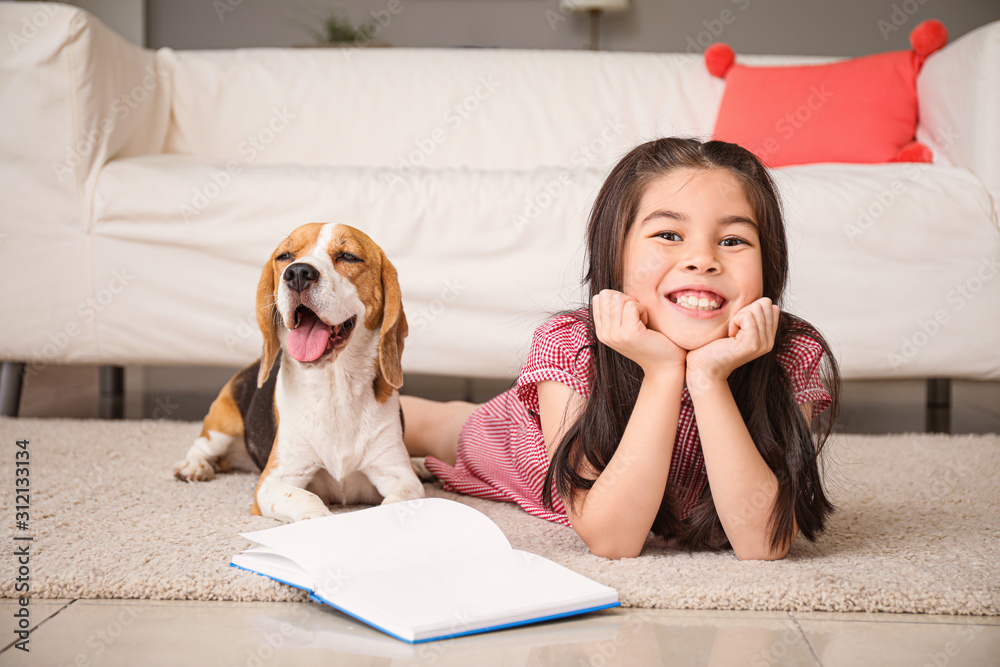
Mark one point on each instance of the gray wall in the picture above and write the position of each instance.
(800, 27)
(126, 17)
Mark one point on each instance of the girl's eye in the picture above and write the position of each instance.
(669, 236)
(348, 257)
(731, 241)
(283, 257)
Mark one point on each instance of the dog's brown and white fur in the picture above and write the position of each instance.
(327, 430)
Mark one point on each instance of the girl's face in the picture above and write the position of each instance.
(692, 255)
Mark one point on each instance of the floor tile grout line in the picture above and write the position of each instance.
(805, 638)
(40, 624)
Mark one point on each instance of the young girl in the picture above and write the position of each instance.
(683, 401)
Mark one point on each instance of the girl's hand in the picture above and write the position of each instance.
(620, 323)
(751, 334)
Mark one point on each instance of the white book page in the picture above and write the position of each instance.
(406, 535)
(263, 559)
(456, 596)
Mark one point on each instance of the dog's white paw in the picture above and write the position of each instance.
(194, 471)
(404, 494)
(314, 514)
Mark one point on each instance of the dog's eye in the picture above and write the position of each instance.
(283, 257)
(348, 257)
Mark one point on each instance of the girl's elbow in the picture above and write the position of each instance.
(760, 547)
(609, 548)
(605, 536)
(761, 552)
(761, 555)
(613, 551)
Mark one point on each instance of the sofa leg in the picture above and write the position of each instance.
(939, 405)
(111, 403)
(11, 381)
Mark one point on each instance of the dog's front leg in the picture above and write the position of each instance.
(392, 474)
(281, 493)
(203, 457)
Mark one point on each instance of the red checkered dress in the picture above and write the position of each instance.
(501, 450)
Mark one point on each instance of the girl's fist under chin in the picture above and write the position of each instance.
(620, 323)
(751, 334)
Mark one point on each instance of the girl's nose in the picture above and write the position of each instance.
(702, 260)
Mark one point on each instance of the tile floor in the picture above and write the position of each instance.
(258, 634)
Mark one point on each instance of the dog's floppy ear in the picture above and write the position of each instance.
(394, 329)
(267, 313)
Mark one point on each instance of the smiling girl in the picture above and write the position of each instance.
(683, 401)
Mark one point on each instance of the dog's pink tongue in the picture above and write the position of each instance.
(307, 342)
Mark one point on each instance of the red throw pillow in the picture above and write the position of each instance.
(858, 110)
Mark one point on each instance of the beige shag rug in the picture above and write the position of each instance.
(917, 530)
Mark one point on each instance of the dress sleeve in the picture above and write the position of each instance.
(801, 359)
(559, 352)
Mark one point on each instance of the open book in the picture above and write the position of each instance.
(421, 570)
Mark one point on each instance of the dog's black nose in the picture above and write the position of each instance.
(300, 276)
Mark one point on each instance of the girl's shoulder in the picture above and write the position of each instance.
(569, 326)
(564, 336)
(800, 356)
(799, 347)
(560, 351)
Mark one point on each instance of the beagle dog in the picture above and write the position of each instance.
(319, 412)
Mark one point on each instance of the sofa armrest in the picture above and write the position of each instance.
(959, 93)
(75, 95)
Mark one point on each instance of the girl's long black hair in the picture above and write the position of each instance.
(789, 443)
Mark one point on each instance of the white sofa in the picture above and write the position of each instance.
(143, 190)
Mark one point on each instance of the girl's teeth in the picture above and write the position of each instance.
(695, 303)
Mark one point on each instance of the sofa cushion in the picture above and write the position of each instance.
(897, 264)
(959, 93)
(481, 255)
(481, 108)
(485, 256)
